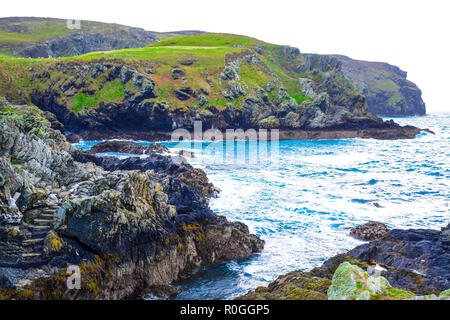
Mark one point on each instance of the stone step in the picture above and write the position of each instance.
(39, 234)
(31, 255)
(40, 227)
(43, 221)
(47, 215)
(33, 241)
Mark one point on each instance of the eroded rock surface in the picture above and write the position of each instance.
(372, 230)
(128, 228)
(404, 264)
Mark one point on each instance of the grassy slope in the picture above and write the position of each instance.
(207, 50)
(22, 31)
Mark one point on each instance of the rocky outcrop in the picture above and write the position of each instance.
(249, 87)
(414, 262)
(372, 230)
(126, 228)
(127, 147)
(350, 282)
(65, 42)
(387, 91)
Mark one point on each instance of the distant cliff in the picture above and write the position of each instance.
(46, 37)
(387, 91)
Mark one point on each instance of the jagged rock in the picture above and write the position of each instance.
(307, 88)
(185, 93)
(125, 74)
(291, 52)
(143, 225)
(93, 36)
(270, 86)
(414, 262)
(387, 91)
(235, 91)
(118, 146)
(269, 123)
(73, 138)
(350, 282)
(202, 101)
(228, 73)
(127, 147)
(372, 230)
(156, 148)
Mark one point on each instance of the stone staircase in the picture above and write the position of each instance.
(39, 228)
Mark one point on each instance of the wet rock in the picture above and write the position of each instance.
(127, 147)
(372, 230)
(118, 146)
(73, 138)
(156, 148)
(415, 262)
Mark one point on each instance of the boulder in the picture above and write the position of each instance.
(177, 73)
(372, 230)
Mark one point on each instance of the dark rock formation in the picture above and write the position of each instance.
(414, 260)
(127, 147)
(372, 230)
(92, 36)
(138, 224)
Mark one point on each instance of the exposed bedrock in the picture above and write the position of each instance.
(135, 225)
(416, 261)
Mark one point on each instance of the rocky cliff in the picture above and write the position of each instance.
(46, 37)
(387, 91)
(225, 81)
(402, 264)
(128, 224)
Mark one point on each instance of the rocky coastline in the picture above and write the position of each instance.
(128, 225)
(395, 265)
(406, 132)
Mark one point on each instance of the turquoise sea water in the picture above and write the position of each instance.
(303, 200)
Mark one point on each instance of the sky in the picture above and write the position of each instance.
(411, 34)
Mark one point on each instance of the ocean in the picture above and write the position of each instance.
(304, 198)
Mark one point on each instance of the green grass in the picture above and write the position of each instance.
(209, 40)
(111, 91)
(35, 30)
(387, 85)
(6, 54)
(394, 99)
(220, 101)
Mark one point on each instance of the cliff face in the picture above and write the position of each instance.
(225, 81)
(141, 227)
(45, 37)
(387, 91)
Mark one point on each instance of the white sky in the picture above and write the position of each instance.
(413, 35)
